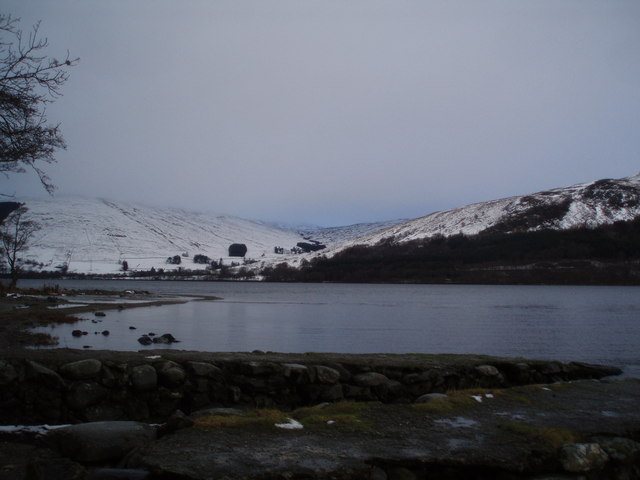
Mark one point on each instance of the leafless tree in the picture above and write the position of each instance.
(15, 234)
(29, 80)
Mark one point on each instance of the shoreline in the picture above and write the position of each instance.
(29, 308)
(356, 416)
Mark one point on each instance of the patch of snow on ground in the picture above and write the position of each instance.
(292, 424)
(30, 429)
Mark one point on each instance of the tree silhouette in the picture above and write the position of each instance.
(15, 233)
(29, 80)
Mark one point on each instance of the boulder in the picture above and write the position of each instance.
(177, 421)
(82, 369)
(622, 450)
(203, 369)
(100, 441)
(428, 397)
(369, 379)
(487, 370)
(145, 340)
(294, 371)
(83, 394)
(143, 378)
(583, 457)
(171, 374)
(345, 375)
(326, 375)
(48, 377)
(165, 339)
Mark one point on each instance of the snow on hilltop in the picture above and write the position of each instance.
(93, 235)
(588, 204)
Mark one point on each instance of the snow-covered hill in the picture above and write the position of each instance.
(95, 236)
(91, 235)
(589, 204)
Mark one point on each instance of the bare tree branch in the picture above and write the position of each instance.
(29, 80)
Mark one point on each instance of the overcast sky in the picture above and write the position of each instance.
(339, 112)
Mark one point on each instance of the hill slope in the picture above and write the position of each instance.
(585, 205)
(93, 235)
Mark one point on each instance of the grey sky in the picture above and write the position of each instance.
(337, 112)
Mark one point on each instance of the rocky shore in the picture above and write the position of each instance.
(163, 414)
(70, 386)
(268, 415)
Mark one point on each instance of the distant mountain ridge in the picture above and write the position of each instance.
(588, 204)
(587, 234)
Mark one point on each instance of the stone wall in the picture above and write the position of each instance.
(150, 388)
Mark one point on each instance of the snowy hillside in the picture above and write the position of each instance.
(94, 236)
(588, 204)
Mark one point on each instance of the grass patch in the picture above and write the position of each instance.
(547, 438)
(251, 418)
(352, 416)
(48, 317)
(456, 400)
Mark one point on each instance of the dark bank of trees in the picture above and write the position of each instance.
(604, 255)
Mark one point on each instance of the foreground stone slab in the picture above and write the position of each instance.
(100, 441)
(517, 433)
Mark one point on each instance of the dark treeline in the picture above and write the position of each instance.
(604, 255)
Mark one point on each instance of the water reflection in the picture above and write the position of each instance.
(567, 323)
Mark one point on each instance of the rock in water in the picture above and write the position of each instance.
(166, 339)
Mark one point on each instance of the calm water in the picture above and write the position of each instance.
(595, 324)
